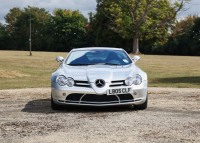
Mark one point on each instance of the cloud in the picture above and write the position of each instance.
(192, 8)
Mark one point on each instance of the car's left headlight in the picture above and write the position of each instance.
(129, 81)
(137, 80)
(62, 81)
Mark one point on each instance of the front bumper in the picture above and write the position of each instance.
(86, 96)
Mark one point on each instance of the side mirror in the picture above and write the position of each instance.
(60, 59)
(135, 58)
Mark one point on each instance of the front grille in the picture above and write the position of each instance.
(79, 83)
(117, 83)
(101, 99)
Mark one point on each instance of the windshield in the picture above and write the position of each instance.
(93, 57)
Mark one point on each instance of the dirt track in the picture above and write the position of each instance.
(173, 116)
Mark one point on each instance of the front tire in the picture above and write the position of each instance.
(142, 106)
(54, 106)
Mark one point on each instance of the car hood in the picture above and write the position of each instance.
(94, 72)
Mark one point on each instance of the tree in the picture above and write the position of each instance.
(58, 32)
(11, 18)
(68, 29)
(98, 33)
(4, 38)
(180, 38)
(19, 29)
(40, 19)
(195, 37)
(183, 26)
(139, 19)
(184, 39)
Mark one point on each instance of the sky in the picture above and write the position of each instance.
(84, 6)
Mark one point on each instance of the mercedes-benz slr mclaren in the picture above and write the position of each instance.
(98, 77)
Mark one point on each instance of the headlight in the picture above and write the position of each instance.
(137, 80)
(62, 81)
(129, 81)
(70, 82)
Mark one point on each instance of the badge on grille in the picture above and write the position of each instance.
(100, 83)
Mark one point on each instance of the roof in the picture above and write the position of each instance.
(96, 48)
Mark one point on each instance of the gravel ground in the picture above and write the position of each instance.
(173, 115)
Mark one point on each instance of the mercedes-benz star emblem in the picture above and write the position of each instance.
(100, 83)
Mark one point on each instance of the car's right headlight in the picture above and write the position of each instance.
(137, 80)
(62, 81)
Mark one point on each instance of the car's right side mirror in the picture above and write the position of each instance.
(60, 59)
(135, 58)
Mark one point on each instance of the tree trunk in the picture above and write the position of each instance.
(135, 45)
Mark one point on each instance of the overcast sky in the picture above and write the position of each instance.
(84, 6)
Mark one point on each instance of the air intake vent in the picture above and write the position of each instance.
(117, 83)
(79, 83)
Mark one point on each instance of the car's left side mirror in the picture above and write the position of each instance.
(135, 58)
(60, 59)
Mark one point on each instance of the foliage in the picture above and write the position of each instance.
(195, 37)
(144, 19)
(11, 18)
(59, 32)
(67, 29)
(184, 39)
(98, 34)
(19, 29)
(4, 38)
(121, 23)
(183, 26)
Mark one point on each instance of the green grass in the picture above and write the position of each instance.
(171, 71)
(37, 69)
(19, 70)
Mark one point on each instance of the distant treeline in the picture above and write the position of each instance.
(67, 29)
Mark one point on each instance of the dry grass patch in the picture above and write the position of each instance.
(12, 74)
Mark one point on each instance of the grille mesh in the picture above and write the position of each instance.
(99, 98)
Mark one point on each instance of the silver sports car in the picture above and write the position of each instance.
(98, 77)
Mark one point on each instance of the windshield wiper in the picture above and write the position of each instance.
(79, 64)
(111, 64)
(93, 64)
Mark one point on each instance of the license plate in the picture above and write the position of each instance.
(118, 91)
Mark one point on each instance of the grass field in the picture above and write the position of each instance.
(19, 70)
